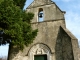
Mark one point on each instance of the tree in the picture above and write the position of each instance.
(15, 27)
(20, 3)
(15, 24)
(1, 1)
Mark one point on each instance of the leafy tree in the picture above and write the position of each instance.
(15, 24)
(20, 3)
(1, 1)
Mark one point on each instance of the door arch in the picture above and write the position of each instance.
(39, 50)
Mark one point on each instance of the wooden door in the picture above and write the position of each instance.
(40, 57)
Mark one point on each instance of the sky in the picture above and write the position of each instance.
(72, 18)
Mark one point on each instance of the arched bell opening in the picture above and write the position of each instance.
(40, 15)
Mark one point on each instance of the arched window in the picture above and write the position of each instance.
(40, 15)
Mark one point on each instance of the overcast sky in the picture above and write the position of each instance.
(72, 17)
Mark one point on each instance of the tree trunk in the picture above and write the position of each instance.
(13, 50)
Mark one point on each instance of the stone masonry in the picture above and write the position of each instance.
(53, 38)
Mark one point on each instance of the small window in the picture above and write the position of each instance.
(40, 15)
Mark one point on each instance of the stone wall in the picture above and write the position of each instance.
(47, 34)
(51, 12)
(63, 46)
(79, 54)
(53, 39)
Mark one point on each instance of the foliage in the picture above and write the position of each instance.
(20, 3)
(1, 1)
(15, 25)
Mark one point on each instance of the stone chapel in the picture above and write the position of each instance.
(53, 41)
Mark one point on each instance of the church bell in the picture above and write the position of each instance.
(40, 15)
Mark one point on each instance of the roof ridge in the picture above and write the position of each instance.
(36, 3)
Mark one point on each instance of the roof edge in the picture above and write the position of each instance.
(69, 33)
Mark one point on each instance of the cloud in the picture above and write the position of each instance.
(73, 5)
(72, 16)
(73, 23)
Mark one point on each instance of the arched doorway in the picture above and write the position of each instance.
(39, 52)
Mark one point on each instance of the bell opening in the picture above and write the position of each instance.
(40, 15)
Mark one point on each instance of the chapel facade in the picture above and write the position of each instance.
(53, 41)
